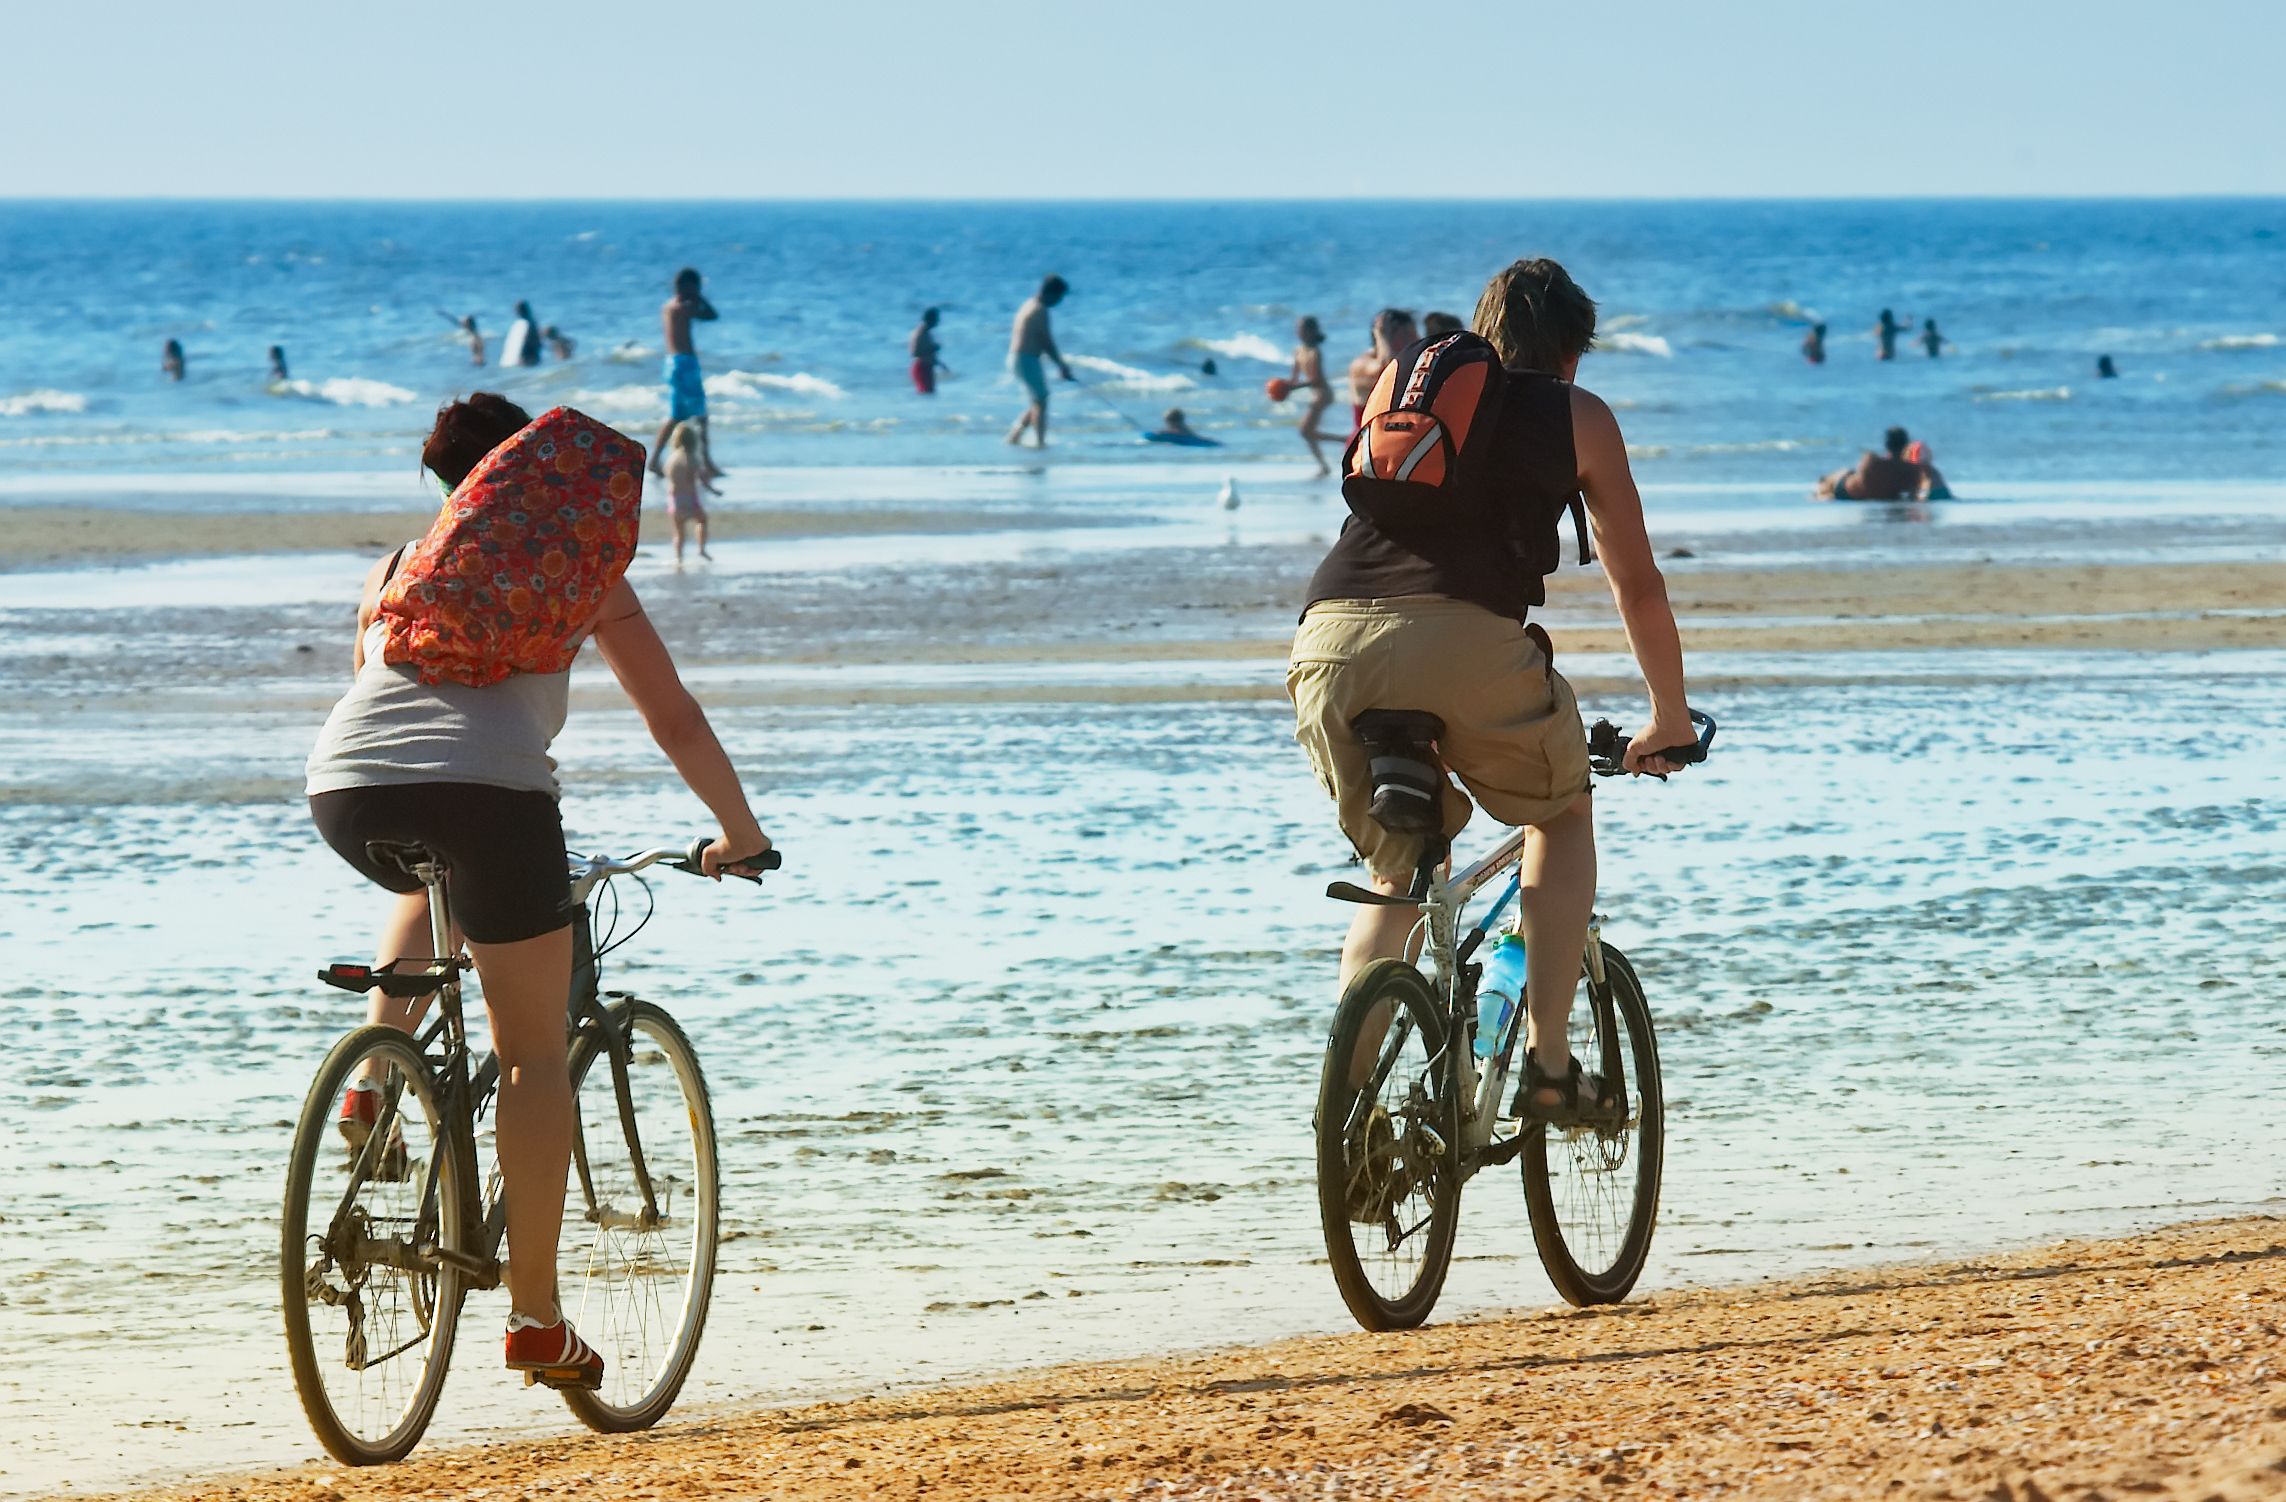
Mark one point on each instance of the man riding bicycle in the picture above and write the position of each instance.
(1457, 482)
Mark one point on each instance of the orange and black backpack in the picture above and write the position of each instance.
(1423, 460)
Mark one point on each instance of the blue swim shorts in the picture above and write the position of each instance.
(686, 392)
(1032, 374)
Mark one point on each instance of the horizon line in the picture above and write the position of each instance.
(1101, 200)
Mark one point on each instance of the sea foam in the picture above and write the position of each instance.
(1624, 343)
(1118, 377)
(2241, 341)
(345, 391)
(1243, 347)
(44, 401)
(749, 383)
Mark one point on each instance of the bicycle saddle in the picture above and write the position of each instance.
(1408, 777)
(402, 855)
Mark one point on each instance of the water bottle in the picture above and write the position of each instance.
(1499, 993)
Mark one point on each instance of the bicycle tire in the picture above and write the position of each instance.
(1395, 1170)
(606, 1284)
(434, 1188)
(1585, 1265)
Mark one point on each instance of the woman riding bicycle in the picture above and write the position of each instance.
(1433, 619)
(462, 656)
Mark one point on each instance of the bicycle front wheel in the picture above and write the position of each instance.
(1388, 1197)
(370, 1306)
(1593, 1192)
(638, 1274)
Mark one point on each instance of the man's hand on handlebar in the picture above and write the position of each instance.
(1666, 732)
(725, 856)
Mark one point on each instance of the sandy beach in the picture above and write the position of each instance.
(2137, 1367)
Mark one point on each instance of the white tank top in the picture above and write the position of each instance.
(392, 728)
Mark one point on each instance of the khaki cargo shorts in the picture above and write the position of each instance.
(1512, 725)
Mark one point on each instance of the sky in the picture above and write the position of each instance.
(1167, 99)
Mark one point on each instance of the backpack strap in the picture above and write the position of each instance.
(1580, 528)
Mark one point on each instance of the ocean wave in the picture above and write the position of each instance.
(345, 391)
(2258, 388)
(1118, 377)
(1624, 343)
(630, 352)
(2241, 341)
(1786, 310)
(162, 436)
(41, 403)
(643, 398)
(1243, 347)
(749, 383)
(2040, 394)
(1757, 446)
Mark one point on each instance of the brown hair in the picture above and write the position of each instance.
(468, 430)
(1536, 316)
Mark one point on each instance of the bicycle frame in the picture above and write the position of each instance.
(1443, 901)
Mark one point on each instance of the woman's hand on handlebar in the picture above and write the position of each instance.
(1666, 732)
(729, 851)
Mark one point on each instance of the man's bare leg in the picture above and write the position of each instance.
(708, 469)
(1558, 901)
(1016, 433)
(1376, 933)
(659, 447)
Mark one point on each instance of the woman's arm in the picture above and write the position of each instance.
(369, 605)
(631, 645)
(1615, 511)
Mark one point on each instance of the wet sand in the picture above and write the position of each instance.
(52, 536)
(2145, 1366)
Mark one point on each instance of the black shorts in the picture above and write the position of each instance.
(505, 848)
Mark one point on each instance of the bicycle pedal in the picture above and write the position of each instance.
(562, 1377)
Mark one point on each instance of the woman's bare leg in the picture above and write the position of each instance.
(525, 989)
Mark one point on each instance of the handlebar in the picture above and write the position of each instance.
(588, 870)
(1607, 748)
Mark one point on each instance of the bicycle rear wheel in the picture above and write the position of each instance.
(637, 1283)
(1593, 1194)
(1388, 1199)
(370, 1309)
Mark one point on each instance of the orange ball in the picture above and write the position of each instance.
(1278, 388)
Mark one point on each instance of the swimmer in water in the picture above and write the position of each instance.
(522, 346)
(1930, 339)
(922, 346)
(686, 388)
(1437, 325)
(278, 364)
(467, 325)
(1814, 344)
(1309, 374)
(1173, 424)
(559, 344)
(1886, 331)
(2105, 370)
(1932, 486)
(1393, 330)
(1887, 476)
(171, 360)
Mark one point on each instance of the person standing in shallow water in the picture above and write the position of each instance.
(1886, 332)
(1031, 342)
(171, 360)
(1930, 339)
(1393, 330)
(686, 386)
(924, 349)
(1309, 374)
(1814, 344)
(278, 363)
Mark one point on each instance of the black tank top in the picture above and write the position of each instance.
(1499, 562)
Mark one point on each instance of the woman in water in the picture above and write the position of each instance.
(1309, 374)
(465, 770)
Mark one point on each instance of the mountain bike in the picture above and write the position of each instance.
(384, 1237)
(1407, 1112)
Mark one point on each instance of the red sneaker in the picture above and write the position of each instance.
(360, 1113)
(360, 1109)
(553, 1355)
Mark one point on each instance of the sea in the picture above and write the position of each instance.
(1014, 1062)
(1703, 307)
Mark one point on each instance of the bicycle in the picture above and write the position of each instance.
(382, 1242)
(1406, 1115)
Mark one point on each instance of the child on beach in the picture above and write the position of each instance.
(686, 471)
(1309, 375)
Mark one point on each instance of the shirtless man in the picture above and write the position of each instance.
(1392, 331)
(1885, 334)
(467, 326)
(1030, 343)
(686, 389)
(1310, 375)
(1881, 477)
(1814, 344)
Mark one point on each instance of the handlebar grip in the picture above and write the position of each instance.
(694, 861)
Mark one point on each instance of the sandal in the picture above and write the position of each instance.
(1581, 1098)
